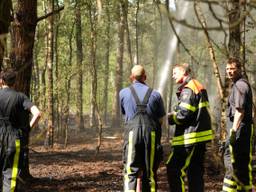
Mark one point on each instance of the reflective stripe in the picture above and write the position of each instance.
(128, 165)
(15, 165)
(183, 173)
(240, 185)
(175, 119)
(244, 187)
(231, 154)
(227, 189)
(194, 137)
(152, 157)
(203, 104)
(188, 106)
(169, 159)
(194, 108)
(230, 182)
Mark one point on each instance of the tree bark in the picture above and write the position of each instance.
(106, 66)
(79, 63)
(93, 67)
(234, 44)
(22, 43)
(49, 60)
(119, 66)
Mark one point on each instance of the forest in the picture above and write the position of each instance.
(73, 57)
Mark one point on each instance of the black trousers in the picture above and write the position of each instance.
(186, 161)
(140, 157)
(237, 161)
(10, 161)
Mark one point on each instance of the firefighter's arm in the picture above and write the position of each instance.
(185, 110)
(239, 114)
(36, 114)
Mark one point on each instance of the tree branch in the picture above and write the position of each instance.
(203, 24)
(49, 14)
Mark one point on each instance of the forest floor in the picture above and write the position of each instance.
(76, 168)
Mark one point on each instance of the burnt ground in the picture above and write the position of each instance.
(77, 168)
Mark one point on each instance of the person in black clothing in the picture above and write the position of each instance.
(14, 108)
(238, 149)
(193, 131)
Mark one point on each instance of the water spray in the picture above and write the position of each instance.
(171, 49)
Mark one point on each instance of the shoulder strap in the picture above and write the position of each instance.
(146, 97)
(135, 96)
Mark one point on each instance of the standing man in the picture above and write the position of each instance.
(14, 108)
(238, 151)
(193, 130)
(143, 110)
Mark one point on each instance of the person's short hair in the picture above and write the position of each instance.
(184, 66)
(9, 77)
(138, 72)
(234, 61)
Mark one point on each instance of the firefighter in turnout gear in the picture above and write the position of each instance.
(238, 149)
(14, 106)
(193, 131)
(143, 111)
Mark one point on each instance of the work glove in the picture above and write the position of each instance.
(232, 138)
(170, 118)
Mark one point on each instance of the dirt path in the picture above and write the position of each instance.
(77, 169)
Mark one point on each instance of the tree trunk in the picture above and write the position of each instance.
(93, 68)
(106, 69)
(119, 66)
(22, 43)
(36, 81)
(128, 40)
(79, 62)
(49, 60)
(57, 75)
(234, 44)
(5, 19)
(137, 33)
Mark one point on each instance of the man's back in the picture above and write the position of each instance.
(15, 106)
(155, 107)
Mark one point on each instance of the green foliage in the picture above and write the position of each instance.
(153, 31)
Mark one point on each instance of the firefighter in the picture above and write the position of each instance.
(238, 150)
(193, 131)
(142, 148)
(14, 107)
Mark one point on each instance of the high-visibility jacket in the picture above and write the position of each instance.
(192, 119)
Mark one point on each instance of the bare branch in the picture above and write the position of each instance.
(50, 14)
(203, 24)
(214, 28)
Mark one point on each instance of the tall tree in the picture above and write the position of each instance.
(234, 43)
(79, 64)
(5, 20)
(22, 38)
(92, 60)
(119, 63)
(49, 60)
(106, 61)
